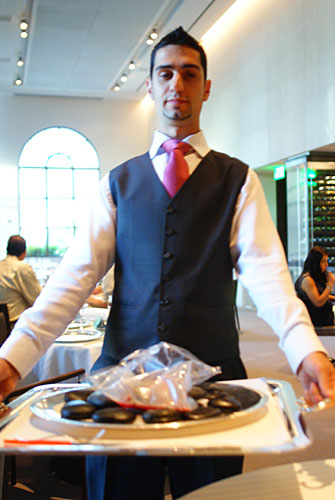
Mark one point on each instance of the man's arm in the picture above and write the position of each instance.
(8, 378)
(88, 258)
(262, 268)
(317, 375)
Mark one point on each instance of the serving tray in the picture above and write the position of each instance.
(48, 409)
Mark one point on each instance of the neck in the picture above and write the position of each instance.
(178, 132)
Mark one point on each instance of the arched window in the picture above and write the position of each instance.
(58, 169)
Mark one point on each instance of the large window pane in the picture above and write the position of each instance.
(59, 183)
(32, 183)
(85, 183)
(60, 213)
(36, 238)
(33, 213)
(59, 240)
(59, 160)
(58, 173)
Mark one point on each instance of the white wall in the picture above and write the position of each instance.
(273, 69)
(107, 124)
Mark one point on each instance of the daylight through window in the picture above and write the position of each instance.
(58, 169)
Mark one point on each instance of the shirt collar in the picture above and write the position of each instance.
(197, 141)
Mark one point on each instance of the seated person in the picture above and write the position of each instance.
(19, 286)
(314, 287)
(102, 294)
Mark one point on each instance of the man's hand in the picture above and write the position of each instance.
(8, 378)
(317, 375)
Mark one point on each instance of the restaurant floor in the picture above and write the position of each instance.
(262, 357)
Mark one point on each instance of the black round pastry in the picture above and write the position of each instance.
(77, 410)
(114, 415)
(78, 394)
(161, 416)
(100, 400)
(209, 386)
(197, 392)
(246, 396)
(227, 404)
(202, 412)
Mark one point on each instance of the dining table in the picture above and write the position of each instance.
(310, 480)
(78, 347)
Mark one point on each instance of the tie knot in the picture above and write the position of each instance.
(172, 144)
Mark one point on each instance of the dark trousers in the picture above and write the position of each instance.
(142, 478)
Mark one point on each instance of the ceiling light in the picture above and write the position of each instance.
(124, 78)
(131, 65)
(116, 87)
(18, 81)
(20, 62)
(23, 34)
(23, 25)
(153, 35)
(149, 41)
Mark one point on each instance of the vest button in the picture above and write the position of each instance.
(169, 231)
(170, 210)
(164, 302)
(166, 278)
(167, 255)
(161, 327)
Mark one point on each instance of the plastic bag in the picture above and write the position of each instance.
(157, 377)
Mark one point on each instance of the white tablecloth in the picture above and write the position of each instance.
(62, 358)
(65, 357)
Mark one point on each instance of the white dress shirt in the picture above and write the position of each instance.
(256, 251)
(19, 286)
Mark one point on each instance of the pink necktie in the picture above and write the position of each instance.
(176, 170)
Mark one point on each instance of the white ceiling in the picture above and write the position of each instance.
(80, 48)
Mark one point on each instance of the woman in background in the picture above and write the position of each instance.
(314, 287)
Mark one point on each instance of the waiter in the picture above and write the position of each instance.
(175, 235)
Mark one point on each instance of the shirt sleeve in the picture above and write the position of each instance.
(261, 267)
(87, 260)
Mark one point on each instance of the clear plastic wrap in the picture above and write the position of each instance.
(157, 377)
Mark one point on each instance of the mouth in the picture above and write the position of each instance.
(176, 101)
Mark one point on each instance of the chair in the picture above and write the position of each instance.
(237, 320)
(325, 330)
(9, 471)
(4, 323)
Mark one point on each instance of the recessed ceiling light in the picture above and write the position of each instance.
(149, 41)
(116, 87)
(23, 34)
(23, 24)
(131, 65)
(20, 62)
(18, 82)
(153, 35)
(124, 78)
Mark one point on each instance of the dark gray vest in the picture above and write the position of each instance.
(173, 268)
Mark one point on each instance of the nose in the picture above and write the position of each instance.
(177, 82)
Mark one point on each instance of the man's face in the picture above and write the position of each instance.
(178, 88)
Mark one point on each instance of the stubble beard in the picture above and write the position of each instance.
(176, 115)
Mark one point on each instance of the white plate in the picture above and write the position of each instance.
(75, 325)
(48, 409)
(78, 336)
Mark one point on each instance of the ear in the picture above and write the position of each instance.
(148, 83)
(207, 90)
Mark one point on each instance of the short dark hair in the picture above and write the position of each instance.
(16, 245)
(179, 37)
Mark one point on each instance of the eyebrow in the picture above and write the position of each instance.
(171, 66)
